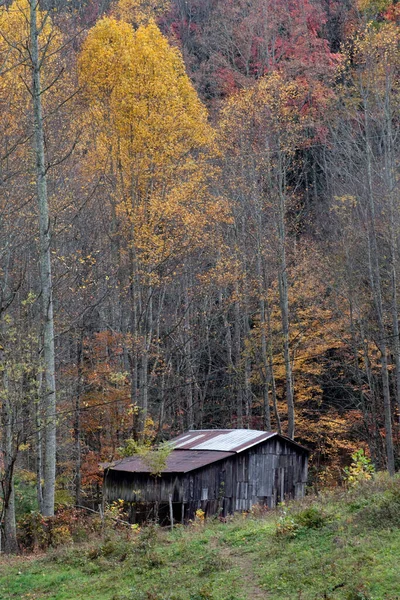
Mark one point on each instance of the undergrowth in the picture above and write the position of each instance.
(342, 545)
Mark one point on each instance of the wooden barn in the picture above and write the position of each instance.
(218, 470)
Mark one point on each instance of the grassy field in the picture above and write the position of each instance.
(342, 545)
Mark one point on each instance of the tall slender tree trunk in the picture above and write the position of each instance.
(390, 177)
(77, 420)
(188, 354)
(284, 301)
(374, 431)
(49, 387)
(39, 444)
(238, 378)
(146, 335)
(8, 508)
(135, 338)
(247, 361)
(366, 412)
(376, 288)
(229, 347)
(265, 373)
(396, 334)
(272, 375)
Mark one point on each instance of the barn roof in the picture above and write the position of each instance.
(226, 440)
(177, 462)
(198, 448)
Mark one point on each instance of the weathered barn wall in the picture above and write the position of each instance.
(265, 474)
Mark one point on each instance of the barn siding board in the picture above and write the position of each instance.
(266, 473)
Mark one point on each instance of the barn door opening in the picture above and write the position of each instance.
(179, 513)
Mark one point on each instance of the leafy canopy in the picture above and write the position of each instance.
(141, 98)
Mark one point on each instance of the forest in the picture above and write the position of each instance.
(199, 228)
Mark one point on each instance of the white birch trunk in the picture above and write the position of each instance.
(49, 386)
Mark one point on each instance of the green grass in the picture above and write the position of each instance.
(340, 546)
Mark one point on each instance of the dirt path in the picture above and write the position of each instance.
(250, 580)
(244, 563)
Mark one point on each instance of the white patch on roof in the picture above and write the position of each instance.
(183, 440)
(185, 437)
(228, 442)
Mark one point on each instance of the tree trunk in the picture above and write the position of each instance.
(272, 375)
(390, 177)
(39, 445)
(284, 303)
(77, 420)
(188, 354)
(238, 378)
(376, 288)
(265, 374)
(49, 387)
(8, 509)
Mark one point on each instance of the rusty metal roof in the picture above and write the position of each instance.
(177, 462)
(198, 448)
(225, 440)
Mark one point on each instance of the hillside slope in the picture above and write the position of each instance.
(341, 545)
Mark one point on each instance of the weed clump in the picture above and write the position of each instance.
(212, 563)
(112, 549)
(383, 512)
(148, 538)
(311, 518)
(290, 524)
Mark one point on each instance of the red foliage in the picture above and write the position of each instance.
(393, 13)
(106, 415)
(226, 43)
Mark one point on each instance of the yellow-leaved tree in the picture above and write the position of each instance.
(150, 144)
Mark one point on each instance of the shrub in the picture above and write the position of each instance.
(32, 532)
(36, 532)
(384, 512)
(311, 518)
(290, 524)
(116, 548)
(286, 525)
(63, 498)
(60, 536)
(147, 538)
(25, 493)
(199, 518)
(115, 513)
(361, 469)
